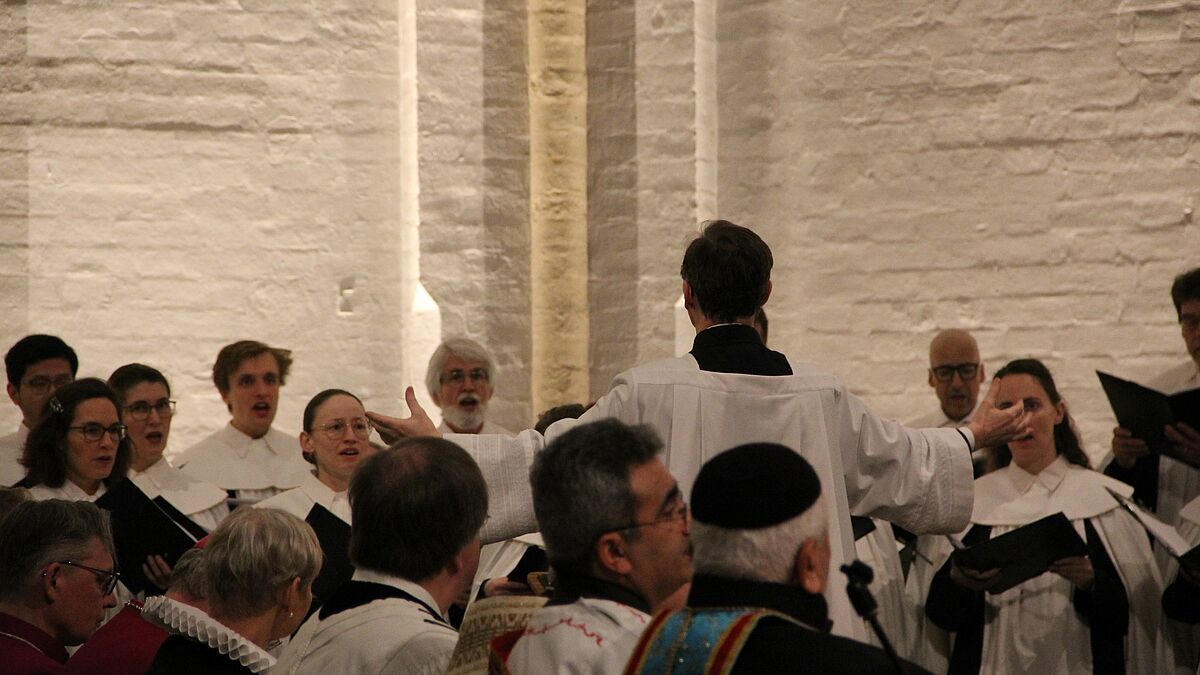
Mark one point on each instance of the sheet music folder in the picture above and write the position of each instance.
(1025, 552)
(334, 536)
(141, 528)
(1145, 411)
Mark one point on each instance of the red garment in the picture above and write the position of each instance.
(126, 645)
(26, 649)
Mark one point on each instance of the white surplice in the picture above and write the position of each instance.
(203, 503)
(896, 615)
(1178, 483)
(299, 500)
(11, 446)
(489, 427)
(919, 479)
(589, 636)
(1033, 627)
(255, 468)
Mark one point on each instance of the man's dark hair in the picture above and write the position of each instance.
(33, 348)
(729, 269)
(45, 454)
(414, 507)
(1186, 287)
(232, 355)
(35, 534)
(581, 488)
(559, 412)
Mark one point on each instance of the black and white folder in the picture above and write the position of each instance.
(143, 527)
(1145, 412)
(1025, 552)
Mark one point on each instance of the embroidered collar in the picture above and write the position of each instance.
(181, 619)
(569, 588)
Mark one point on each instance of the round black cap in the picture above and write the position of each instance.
(754, 486)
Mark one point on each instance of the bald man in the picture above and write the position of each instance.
(955, 373)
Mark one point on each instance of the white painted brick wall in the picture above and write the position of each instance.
(1020, 170)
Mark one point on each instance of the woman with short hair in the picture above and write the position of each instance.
(259, 565)
(147, 411)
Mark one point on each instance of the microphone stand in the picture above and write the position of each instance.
(859, 575)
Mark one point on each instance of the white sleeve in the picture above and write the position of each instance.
(505, 463)
(920, 479)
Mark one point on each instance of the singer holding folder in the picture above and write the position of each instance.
(1093, 613)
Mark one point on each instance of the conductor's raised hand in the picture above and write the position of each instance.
(392, 429)
(993, 426)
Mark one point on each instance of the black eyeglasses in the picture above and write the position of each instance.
(457, 376)
(140, 410)
(44, 385)
(946, 373)
(94, 431)
(679, 513)
(107, 578)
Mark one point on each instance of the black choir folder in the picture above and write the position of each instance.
(1025, 552)
(143, 527)
(1145, 411)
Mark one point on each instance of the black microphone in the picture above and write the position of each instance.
(859, 576)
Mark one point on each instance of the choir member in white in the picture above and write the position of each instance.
(336, 439)
(36, 365)
(248, 457)
(1094, 613)
(79, 448)
(147, 411)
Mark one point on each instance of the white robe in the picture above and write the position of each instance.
(1178, 483)
(11, 446)
(896, 614)
(299, 500)
(489, 427)
(589, 635)
(391, 635)
(1185, 637)
(1033, 627)
(203, 503)
(919, 479)
(255, 468)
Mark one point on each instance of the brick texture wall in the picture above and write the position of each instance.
(1026, 171)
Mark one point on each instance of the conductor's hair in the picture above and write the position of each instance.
(728, 268)
(1186, 287)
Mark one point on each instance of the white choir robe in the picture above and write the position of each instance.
(1033, 627)
(299, 500)
(588, 636)
(203, 503)
(896, 614)
(869, 466)
(489, 427)
(11, 447)
(254, 468)
(1185, 637)
(1178, 483)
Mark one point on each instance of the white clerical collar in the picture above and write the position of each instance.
(319, 492)
(242, 443)
(1049, 477)
(411, 587)
(69, 491)
(193, 622)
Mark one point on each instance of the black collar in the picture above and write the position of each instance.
(736, 348)
(712, 591)
(569, 588)
(358, 593)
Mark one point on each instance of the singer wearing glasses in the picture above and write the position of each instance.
(335, 439)
(147, 411)
(79, 448)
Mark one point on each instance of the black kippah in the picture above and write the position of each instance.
(754, 486)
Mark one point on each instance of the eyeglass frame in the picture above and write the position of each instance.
(121, 431)
(459, 376)
(156, 407)
(973, 369)
(681, 513)
(110, 585)
(333, 436)
(44, 385)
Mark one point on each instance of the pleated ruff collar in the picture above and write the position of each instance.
(181, 619)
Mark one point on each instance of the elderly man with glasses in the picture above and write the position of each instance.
(56, 580)
(460, 382)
